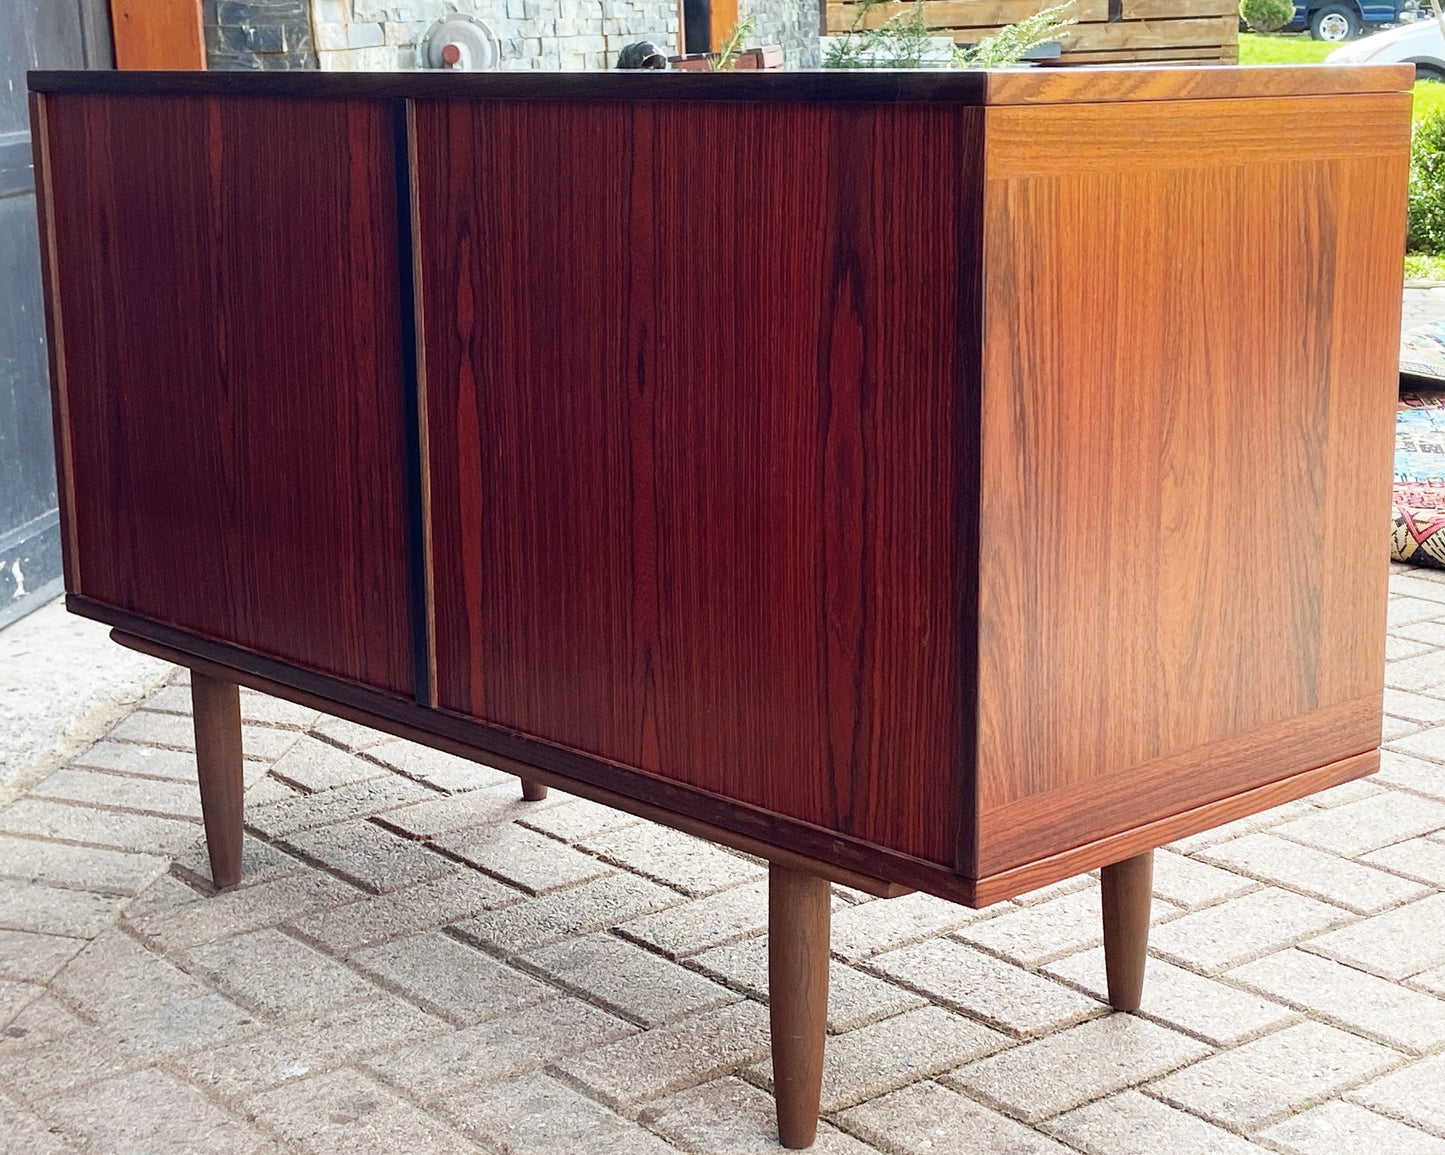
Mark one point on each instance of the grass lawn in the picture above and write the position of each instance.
(1429, 97)
(1298, 48)
(1421, 267)
(1295, 48)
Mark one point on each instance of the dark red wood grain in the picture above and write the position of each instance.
(693, 381)
(735, 513)
(225, 278)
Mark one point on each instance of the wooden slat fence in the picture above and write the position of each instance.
(1107, 32)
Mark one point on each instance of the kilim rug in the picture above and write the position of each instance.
(1417, 531)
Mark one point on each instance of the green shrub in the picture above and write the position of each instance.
(1427, 184)
(1266, 15)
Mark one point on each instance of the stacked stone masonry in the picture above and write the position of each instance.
(382, 35)
(418, 960)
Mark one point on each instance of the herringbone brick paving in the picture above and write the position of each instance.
(417, 960)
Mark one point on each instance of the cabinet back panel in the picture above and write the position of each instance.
(700, 388)
(229, 370)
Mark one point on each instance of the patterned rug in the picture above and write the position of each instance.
(1417, 532)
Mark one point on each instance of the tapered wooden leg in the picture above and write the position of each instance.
(799, 920)
(533, 791)
(217, 709)
(1127, 887)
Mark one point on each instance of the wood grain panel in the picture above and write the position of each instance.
(884, 86)
(1118, 58)
(1166, 9)
(1149, 835)
(1187, 422)
(969, 23)
(949, 14)
(157, 34)
(1038, 824)
(695, 497)
(1175, 28)
(1132, 35)
(1017, 86)
(227, 276)
(1030, 142)
(54, 343)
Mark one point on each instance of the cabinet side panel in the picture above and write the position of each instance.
(1190, 370)
(692, 378)
(227, 274)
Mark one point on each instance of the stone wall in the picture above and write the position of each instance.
(571, 34)
(790, 23)
(381, 35)
(254, 34)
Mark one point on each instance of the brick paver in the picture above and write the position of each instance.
(417, 960)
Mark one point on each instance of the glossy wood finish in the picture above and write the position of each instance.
(54, 338)
(774, 542)
(1052, 818)
(1100, 852)
(1034, 143)
(873, 86)
(1127, 893)
(1153, 636)
(216, 710)
(405, 719)
(1011, 86)
(799, 919)
(232, 379)
(873, 869)
(709, 529)
(700, 509)
(1082, 85)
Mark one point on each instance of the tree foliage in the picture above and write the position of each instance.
(1266, 15)
(1427, 185)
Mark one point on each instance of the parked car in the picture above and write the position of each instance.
(1345, 19)
(1419, 44)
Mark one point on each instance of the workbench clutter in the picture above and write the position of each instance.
(928, 537)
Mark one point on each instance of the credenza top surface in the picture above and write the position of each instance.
(883, 86)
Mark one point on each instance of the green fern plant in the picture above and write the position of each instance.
(899, 42)
(727, 58)
(904, 40)
(1266, 15)
(1008, 45)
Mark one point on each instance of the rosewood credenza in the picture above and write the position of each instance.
(935, 480)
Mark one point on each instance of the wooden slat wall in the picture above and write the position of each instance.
(1141, 30)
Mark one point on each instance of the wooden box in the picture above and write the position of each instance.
(950, 481)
